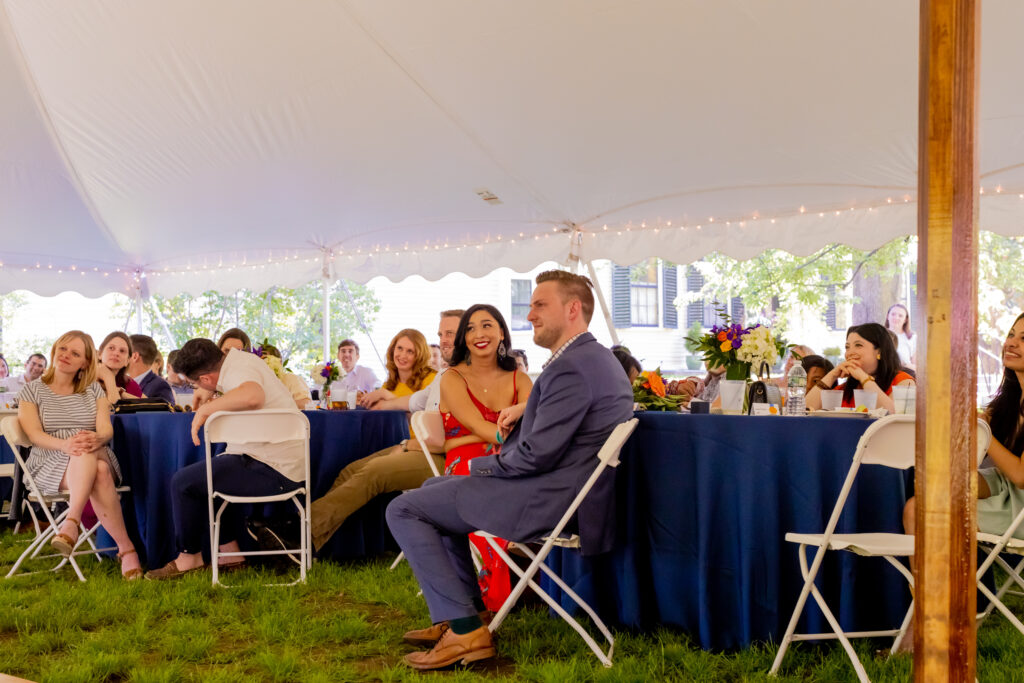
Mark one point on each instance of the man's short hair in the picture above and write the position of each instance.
(172, 357)
(39, 356)
(349, 342)
(145, 346)
(453, 313)
(198, 357)
(573, 287)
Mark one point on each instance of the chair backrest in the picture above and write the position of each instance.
(429, 429)
(607, 456)
(609, 453)
(257, 426)
(889, 441)
(17, 439)
(13, 432)
(984, 439)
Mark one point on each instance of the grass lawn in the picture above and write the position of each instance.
(346, 624)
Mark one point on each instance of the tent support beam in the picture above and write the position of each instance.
(163, 322)
(325, 287)
(601, 301)
(138, 310)
(944, 640)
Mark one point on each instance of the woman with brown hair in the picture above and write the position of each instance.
(66, 416)
(408, 365)
(114, 354)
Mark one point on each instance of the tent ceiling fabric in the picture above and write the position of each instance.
(218, 145)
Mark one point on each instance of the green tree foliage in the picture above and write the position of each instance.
(775, 284)
(292, 319)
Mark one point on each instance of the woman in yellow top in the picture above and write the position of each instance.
(395, 468)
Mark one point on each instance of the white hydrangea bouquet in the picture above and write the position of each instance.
(758, 346)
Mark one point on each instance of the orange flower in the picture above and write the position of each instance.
(722, 336)
(657, 385)
(726, 345)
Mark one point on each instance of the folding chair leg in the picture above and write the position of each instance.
(398, 560)
(1002, 589)
(798, 610)
(903, 630)
(526, 580)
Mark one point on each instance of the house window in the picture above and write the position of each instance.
(522, 290)
(643, 294)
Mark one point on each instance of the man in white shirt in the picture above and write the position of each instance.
(396, 468)
(243, 469)
(34, 367)
(357, 377)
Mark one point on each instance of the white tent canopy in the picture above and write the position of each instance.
(200, 144)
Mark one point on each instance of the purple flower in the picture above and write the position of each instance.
(737, 343)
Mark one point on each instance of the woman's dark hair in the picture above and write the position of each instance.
(119, 376)
(1004, 411)
(906, 320)
(626, 359)
(888, 361)
(809, 362)
(235, 333)
(198, 357)
(460, 353)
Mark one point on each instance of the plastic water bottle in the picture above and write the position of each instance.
(795, 385)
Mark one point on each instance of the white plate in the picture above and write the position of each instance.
(838, 413)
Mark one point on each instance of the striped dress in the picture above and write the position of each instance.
(61, 417)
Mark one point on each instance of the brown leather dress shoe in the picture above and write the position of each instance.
(451, 648)
(428, 637)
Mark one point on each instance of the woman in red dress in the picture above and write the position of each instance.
(481, 382)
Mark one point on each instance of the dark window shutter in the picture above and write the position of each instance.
(670, 317)
(620, 296)
(694, 310)
(830, 310)
(738, 312)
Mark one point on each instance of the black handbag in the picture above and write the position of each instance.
(129, 406)
(763, 391)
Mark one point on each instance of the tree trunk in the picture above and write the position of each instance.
(874, 296)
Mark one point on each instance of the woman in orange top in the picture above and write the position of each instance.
(871, 364)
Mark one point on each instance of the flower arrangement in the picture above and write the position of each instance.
(736, 348)
(270, 355)
(325, 373)
(651, 393)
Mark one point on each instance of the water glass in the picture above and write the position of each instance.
(831, 399)
(866, 398)
(905, 398)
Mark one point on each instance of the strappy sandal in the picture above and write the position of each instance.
(64, 544)
(131, 574)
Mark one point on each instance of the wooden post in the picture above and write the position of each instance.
(944, 639)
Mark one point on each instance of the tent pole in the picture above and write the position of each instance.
(163, 322)
(947, 228)
(602, 302)
(138, 310)
(325, 285)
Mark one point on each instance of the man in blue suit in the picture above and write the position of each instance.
(140, 367)
(522, 492)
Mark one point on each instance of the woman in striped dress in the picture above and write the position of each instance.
(66, 416)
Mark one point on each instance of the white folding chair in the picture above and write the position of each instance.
(608, 456)
(259, 427)
(17, 439)
(997, 545)
(429, 430)
(890, 442)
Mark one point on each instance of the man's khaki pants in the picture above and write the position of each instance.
(391, 469)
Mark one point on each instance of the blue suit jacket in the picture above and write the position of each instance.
(522, 492)
(155, 386)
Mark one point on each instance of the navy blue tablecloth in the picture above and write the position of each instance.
(704, 503)
(151, 447)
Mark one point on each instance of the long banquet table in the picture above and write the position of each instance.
(704, 503)
(151, 447)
